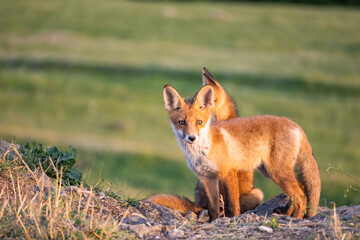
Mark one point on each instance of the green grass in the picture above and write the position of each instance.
(91, 74)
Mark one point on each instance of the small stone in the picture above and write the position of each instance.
(134, 219)
(191, 216)
(159, 213)
(265, 229)
(176, 233)
(101, 194)
(204, 216)
(157, 228)
(140, 229)
(155, 231)
(277, 204)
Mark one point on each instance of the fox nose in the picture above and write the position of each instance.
(192, 138)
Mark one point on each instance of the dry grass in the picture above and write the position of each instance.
(32, 206)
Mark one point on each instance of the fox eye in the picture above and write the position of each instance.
(181, 122)
(198, 122)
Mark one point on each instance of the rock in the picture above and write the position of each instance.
(140, 229)
(265, 229)
(160, 214)
(204, 216)
(344, 213)
(155, 231)
(135, 219)
(101, 194)
(191, 216)
(277, 204)
(175, 233)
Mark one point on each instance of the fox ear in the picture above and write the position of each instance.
(172, 99)
(208, 78)
(205, 97)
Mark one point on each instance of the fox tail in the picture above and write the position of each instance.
(175, 202)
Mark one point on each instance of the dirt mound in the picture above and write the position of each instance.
(88, 213)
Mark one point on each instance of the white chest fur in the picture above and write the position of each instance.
(197, 154)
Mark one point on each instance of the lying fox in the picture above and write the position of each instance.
(250, 197)
(217, 151)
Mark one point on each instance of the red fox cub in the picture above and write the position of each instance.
(250, 197)
(217, 151)
(224, 109)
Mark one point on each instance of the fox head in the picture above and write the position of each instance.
(224, 107)
(189, 118)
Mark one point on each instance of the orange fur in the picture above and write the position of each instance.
(178, 203)
(218, 151)
(224, 107)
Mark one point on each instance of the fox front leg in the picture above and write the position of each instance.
(232, 194)
(211, 187)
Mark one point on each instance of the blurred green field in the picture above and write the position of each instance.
(91, 74)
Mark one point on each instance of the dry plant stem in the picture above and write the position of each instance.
(50, 216)
(22, 225)
(290, 224)
(36, 223)
(3, 208)
(21, 200)
(61, 231)
(99, 216)
(2, 192)
(13, 184)
(21, 205)
(99, 237)
(57, 192)
(31, 202)
(92, 216)
(337, 225)
(22, 160)
(341, 170)
(68, 230)
(87, 204)
(42, 180)
(79, 202)
(107, 220)
(68, 204)
(202, 228)
(125, 214)
(136, 214)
